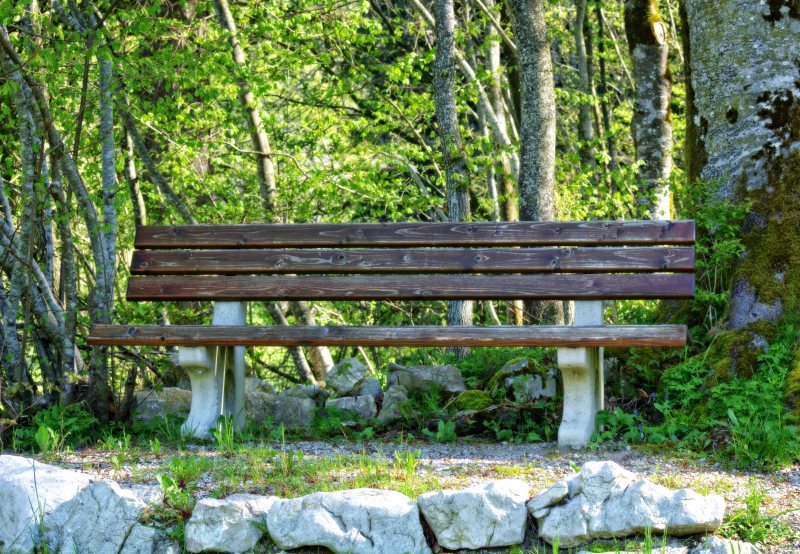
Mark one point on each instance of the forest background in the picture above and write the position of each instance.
(114, 114)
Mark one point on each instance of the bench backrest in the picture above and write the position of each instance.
(423, 261)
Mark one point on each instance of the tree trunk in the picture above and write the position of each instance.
(453, 158)
(652, 120)
(537, 126)
(320, 355)
(585, 126)
(744, 133)
(603, 87)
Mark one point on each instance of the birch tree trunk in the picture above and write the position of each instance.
(652, 120)
(453, 158)
(744, 132)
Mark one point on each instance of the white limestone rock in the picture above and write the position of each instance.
(227, 525)
(394, 399)
(482, 516)
(716, 545)
(152, 404)
(142, 539)
(314, 392)
(346, 376)
(448, 378)
(98, 519)
(606, 501)
(28, 492)
(359, 521)
(362, 406)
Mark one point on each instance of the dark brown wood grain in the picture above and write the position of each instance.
(431, 260)
(199, 335)
(412, 287)
(549, 233)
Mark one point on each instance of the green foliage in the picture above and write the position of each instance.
(752, 523)
(56, 428)
(445, 432)
(224, 435)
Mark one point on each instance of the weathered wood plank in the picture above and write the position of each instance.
(199, 335)
(547, 233)
(437, 260)
(413, 287)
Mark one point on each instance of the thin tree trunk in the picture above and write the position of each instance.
(132, 178)
(321, 356)
(453, 158)
(537, 125)
(603, 89)
(652, 120)
(585, 127)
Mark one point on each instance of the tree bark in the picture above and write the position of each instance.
(744, 134)
(537, 126)
(652, 119)
(453, 158)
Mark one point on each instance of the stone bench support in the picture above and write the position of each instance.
(582, 377)
(217, 377)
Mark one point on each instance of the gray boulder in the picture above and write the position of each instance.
(254, 384)
(716, 545)
(515, 367)
(97, 519)
(605, 501)
(345, 377)
(359, 521)
(152, 404)
(394, 399)
(447, 378)
(29, 491)
(362, 406)
(369, 387)
(142, 539)
(526, 388)
(293, 412)
(227, 525)
(314, 392)
(483, 516)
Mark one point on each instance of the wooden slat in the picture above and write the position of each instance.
(437, 260)
(417, 234)
(413, 287)
(191, 335)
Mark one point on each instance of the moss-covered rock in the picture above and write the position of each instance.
(476, 400)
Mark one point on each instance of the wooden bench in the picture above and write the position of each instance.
(231, 264)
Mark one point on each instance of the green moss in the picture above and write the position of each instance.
(477, 400)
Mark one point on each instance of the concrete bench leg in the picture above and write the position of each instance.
(582, 377)
(217, 377)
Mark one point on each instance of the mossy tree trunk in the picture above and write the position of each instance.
(743, 73)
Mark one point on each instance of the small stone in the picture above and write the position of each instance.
(346, 376)
(483, 516)
(515, 367)
(717, 545)
(550, 497)
(359, 521)
(362, 406)
(227, 525)
(151, 404)
(446, 378)
(395, 398)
